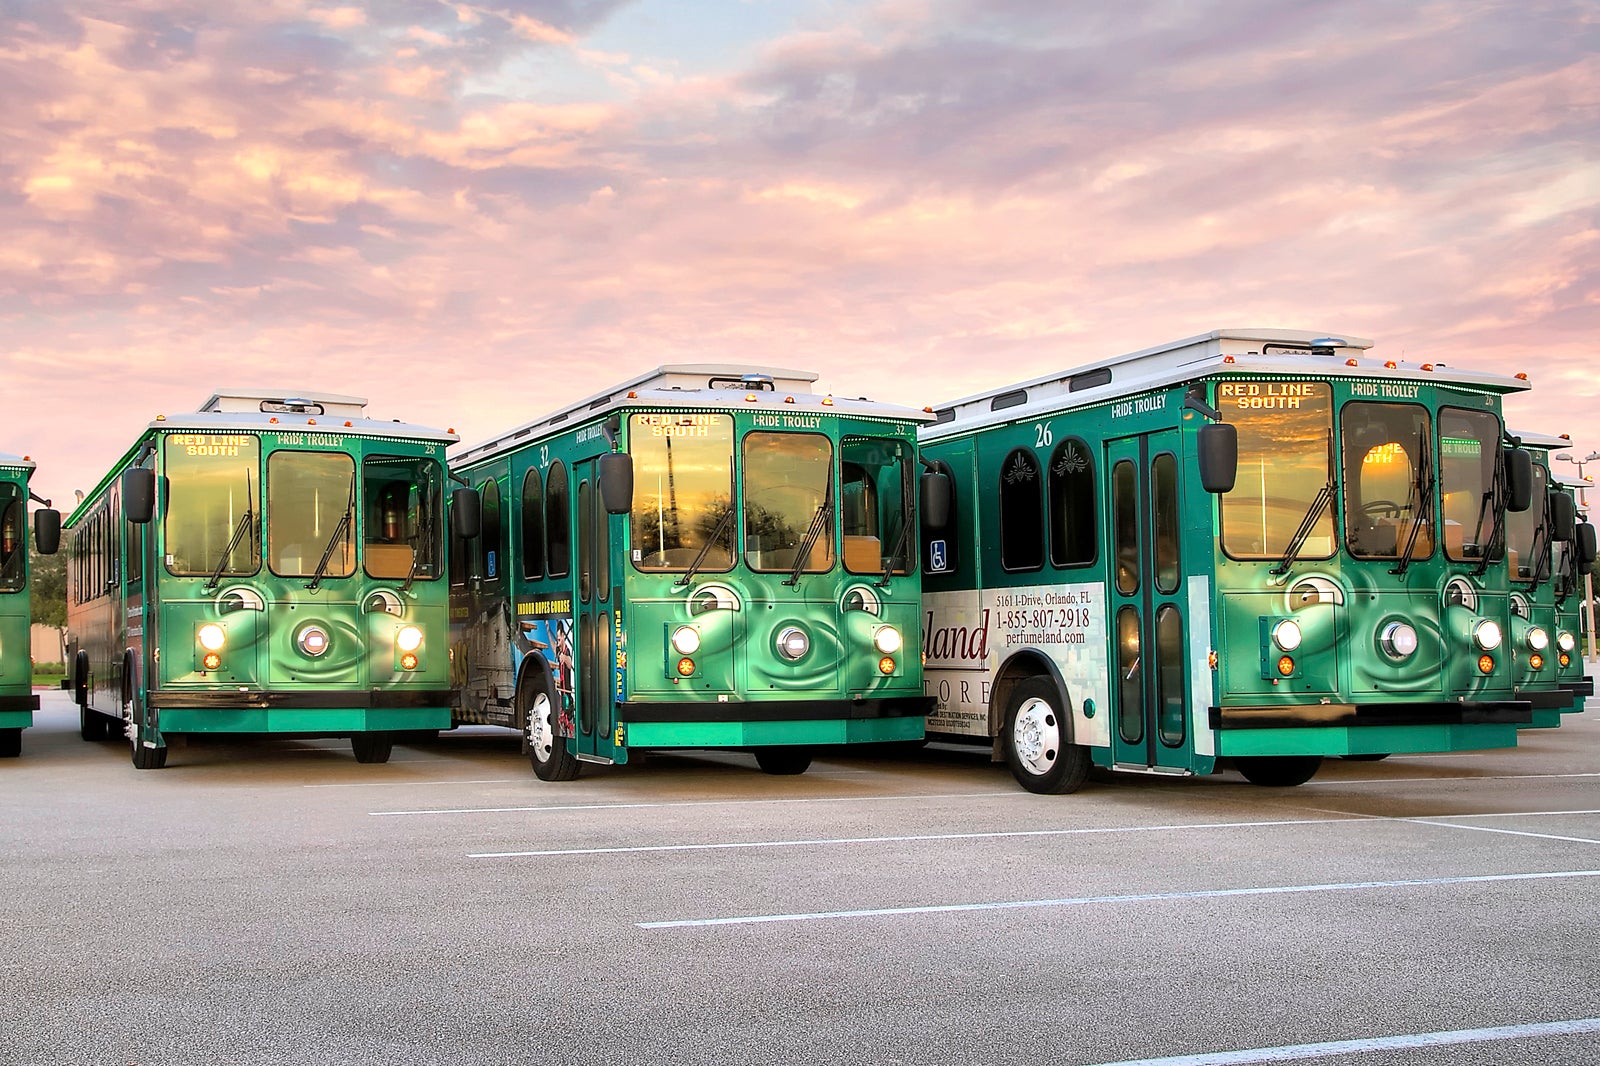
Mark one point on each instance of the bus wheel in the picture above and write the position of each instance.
(1041, 758)
(372, 747)
(783, 761)
(146, 758)
(10, 743)
(547, 750)
(1278, 771)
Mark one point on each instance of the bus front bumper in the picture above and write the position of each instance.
(175, 711)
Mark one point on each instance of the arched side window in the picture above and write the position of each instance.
(532, 513)
(1073, 511)
(1021, 512)
(557, 520)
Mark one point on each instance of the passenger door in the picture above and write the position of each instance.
(597, 705)
(1148, 604)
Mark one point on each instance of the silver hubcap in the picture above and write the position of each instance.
(541, 734)
(1036, 736)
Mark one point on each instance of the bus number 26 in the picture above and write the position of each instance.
(1042, 435)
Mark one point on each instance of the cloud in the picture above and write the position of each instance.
(903, 195)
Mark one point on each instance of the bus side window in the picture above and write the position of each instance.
(1073, 517)
(532, 525)
(1021, 512)
(491, 552)
(940, 554)
(557, 530)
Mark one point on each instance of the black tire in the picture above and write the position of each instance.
(372, 747)
(1037, 742)
(784, 761)
(1278, 771)
(10, 743)
(548, 753)
(80, 679)
(1364, 758)
(144, 758)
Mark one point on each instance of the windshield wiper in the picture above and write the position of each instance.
(424, 541)
(705, 549)
(338, 531)
(1312, 516)
(1420, 502)
(894, 553)
(246, 523)
(1493, 503)
(819, 521)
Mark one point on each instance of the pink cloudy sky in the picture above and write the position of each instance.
(472, 213)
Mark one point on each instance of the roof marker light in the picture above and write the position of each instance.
(1351, 362)
(1428, 367)
(1391, 365)
(1228, 359)
(788, 399)
(749, 397)
(827, 401)
(311, 421)
(1522, 377)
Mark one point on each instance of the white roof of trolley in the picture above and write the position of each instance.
(273, 410)
(1542, 441)
(716, 386)
(257, 400)
(1252, 350)
(16, 462)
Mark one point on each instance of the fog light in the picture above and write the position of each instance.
(887, 640)
(686, 640)
(1536, 660)
(886, 665)
(212, 636)
(1286, 634)
(1398, 640)
(212, 660)
(313, 640)
(685, 666)
(1486, 664)
(793, 643)
(408, 639)
(1487, 634)
(1285, 665)
(408, 661)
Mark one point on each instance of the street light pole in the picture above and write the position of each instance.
(1588, 579)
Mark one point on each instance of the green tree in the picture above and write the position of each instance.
(47, 586)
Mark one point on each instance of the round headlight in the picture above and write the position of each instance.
(409, 638)
(313, 640)
(887, 640)
(1566, 641)
(213, 636)
(793, 643)
(1487, 634)
(1538, 639)
(1398, 640)
(1286, 634)
(686, 640)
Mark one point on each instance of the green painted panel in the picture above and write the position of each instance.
(301, 720)
(757, 734)
(1364, 740)
(16, 719)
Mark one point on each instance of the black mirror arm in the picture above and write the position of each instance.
(1194, 399)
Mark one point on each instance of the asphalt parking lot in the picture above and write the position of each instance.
(273, 901)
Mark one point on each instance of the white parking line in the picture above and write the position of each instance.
(1507, 832)
(832, 841)
(1380, 1043)
(1147, 897)
(693, 803)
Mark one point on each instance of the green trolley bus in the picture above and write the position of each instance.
(1548, 551)
(1263, 546)
(17, 701)
(704, 556)
(268, 564)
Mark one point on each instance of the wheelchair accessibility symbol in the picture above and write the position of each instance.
(938, 556)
